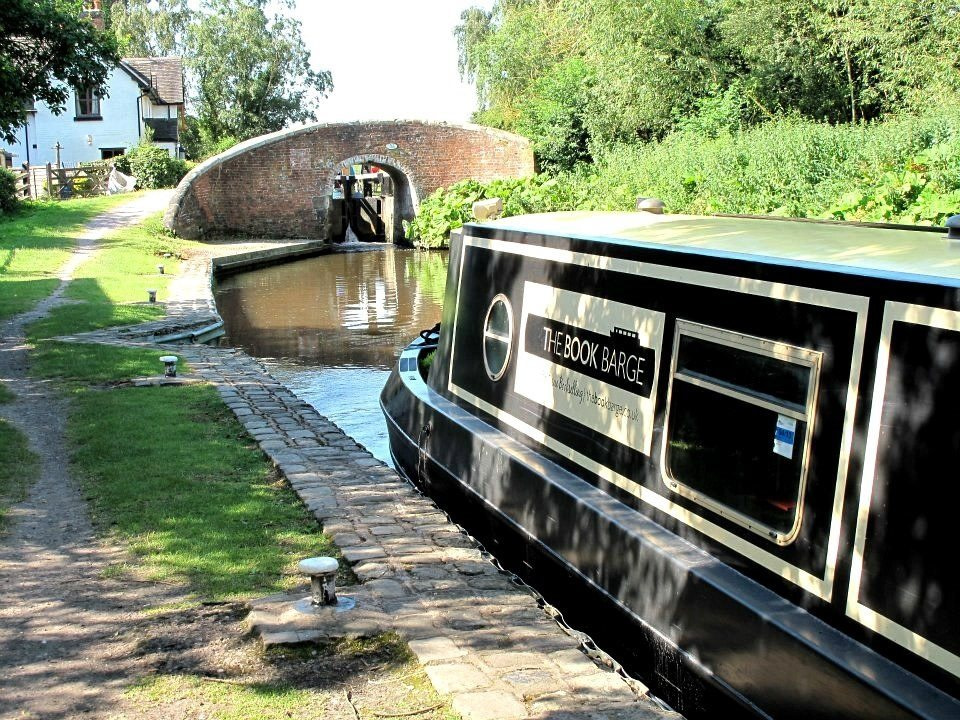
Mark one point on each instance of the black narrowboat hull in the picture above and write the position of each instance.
(726, 467)
(705, 638)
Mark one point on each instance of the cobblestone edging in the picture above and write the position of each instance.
(483, 641)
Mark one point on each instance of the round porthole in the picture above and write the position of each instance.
(498, 337)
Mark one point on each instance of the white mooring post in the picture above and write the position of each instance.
(323, 579)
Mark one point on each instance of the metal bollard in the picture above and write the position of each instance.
(152, 296)
(160, 269)
(169, 364)
(323, 579)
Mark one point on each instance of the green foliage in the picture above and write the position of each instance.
(555, 116)
(251, 71)
(46, 50)
(902, 170)
(152, 166)
(449, 208)
(9, 202)
(789, 167)
(150, 28)
(585, 75)
(198, 142)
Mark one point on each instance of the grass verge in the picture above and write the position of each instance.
(35, 242)
(88, 363)
(173, 474)
(111, 289)
(19, 467)
(6, 395)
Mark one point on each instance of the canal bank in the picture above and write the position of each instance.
(484, 641)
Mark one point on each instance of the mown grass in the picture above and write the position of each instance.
(35, 242)
(173, 474)
(169, 470)
(111, 289)
(90, 363)
(19, 467)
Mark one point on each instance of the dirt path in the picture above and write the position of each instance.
(65, 630)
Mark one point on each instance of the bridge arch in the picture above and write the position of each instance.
(404, 199)
(282, 184)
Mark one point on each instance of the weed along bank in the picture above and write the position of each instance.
(722, 446)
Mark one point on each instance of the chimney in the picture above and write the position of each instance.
(94, 13)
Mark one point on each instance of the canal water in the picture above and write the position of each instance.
(330, 327)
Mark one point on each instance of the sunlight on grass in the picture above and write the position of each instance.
(173, 473)
(35, 242)
(95, 363)
(111, 288)
(230, 702)
(85, 317)
(18, 468)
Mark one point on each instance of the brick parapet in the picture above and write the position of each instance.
(278, 185)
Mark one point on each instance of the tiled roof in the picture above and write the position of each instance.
(164, 74)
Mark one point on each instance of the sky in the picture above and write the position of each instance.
(390, 59)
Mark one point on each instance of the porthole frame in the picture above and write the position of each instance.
(489, 335)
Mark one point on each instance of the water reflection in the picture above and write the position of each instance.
(336, 322)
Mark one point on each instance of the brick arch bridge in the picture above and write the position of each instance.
(280, 185)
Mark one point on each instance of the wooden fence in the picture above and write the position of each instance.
(63, 182)
(22, 191)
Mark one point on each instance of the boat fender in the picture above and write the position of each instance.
(422, 479)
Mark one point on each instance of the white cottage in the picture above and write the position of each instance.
(97, 124)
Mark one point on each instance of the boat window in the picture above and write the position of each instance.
(739, 424)
(497, 337)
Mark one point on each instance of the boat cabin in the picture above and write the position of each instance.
(737, 437)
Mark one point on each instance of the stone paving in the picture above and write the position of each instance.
(485, 643)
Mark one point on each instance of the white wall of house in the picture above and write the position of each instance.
(82, 140)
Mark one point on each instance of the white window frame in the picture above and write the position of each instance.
(781, 351)
(507, 339)
(94, 102)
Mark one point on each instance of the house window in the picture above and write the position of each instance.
(107, 153)
(88, 104)
(740, 419)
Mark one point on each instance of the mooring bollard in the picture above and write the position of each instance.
(323, 579)
(152, 295)
(169, 365)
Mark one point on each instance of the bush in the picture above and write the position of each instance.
(152, 166)
(900, 170)
(8, 192)
(447, 209)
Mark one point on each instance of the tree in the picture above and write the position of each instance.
(250, 74)
(248, 70)
(146, 28)
(46, 49)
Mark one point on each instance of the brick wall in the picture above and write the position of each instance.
(279, 185)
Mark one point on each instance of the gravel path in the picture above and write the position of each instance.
(66, 631)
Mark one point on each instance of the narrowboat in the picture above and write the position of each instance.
(723, 446)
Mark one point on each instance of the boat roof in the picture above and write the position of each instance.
(841, 247)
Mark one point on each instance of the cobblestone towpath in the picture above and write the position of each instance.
(485, 643)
